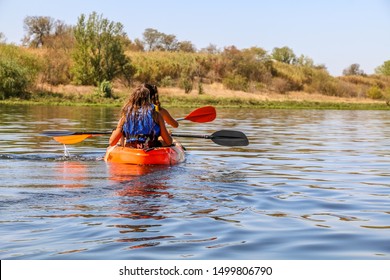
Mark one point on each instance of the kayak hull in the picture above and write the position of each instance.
(156, 156)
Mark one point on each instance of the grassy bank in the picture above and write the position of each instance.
(271, 104)
(217, 96)
(232, 78)
(214, 94)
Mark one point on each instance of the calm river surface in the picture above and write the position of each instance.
(311, 185)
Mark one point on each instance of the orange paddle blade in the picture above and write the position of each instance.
(204, 114)
(72, 139)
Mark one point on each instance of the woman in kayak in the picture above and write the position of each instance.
(164, 113)
(140, 125)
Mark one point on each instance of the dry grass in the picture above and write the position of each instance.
(218, 91)
(67, 89)
(214, 94)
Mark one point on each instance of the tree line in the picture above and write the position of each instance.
(97, 51)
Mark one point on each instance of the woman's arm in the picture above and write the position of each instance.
(164, 131)
(168, 118)
(117, 133)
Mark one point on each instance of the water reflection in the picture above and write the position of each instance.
(311, 185)
(71, 174)
(143, 198)
(127, 172)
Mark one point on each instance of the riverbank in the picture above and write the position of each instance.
(213, 94)
(219, 97)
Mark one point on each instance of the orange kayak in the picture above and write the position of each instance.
(162, 155)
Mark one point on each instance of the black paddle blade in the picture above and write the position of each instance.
(229, 138)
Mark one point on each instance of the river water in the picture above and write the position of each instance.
(311, 185)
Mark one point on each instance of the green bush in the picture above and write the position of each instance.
(167, 81)
(374, 92)
(295, 76)
(386, 95)
(384, 69)
(321, 82)
(106, 89)
(13, 79)
(154, 67)
(236, 82)
(200, 88)
(18, 71)
(186, 83)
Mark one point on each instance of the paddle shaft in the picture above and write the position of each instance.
(92, 133)
(191, 136)
(222, 137)
(203, 114)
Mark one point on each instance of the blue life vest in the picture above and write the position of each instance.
(140, 126)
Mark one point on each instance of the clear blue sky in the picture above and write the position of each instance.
(336, 33)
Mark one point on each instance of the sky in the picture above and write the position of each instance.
(336, 33)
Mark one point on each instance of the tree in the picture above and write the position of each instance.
(57, 56)
(139, 45)
(2, 38)
(135, 46)
(353, 70)
(169, 42)
(285, 55)
(256, 65)
(186, 46)
(152, 39)
(211, 49)
(37, 28)
(305, 61)
(41, 30)
(99, 53)
(61, 36)
(384, 69)
(252, 63)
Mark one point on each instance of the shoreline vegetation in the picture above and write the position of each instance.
(94, 63)
(214, 94)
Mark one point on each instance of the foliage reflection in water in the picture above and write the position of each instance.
(311, 185)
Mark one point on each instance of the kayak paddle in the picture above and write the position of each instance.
(200, 115)
(223, 137)
(69, 137)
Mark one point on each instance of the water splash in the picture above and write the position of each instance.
(66, 151)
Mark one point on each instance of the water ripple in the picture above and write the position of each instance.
(311, 185)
